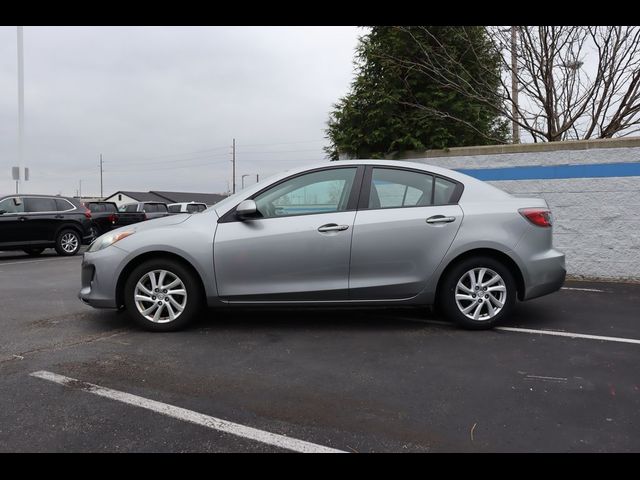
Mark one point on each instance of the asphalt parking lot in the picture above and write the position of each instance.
(562, 376)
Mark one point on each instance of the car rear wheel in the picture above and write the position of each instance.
(477, 293)
(162, 295)
(68, 242)
(94, 232)
(33, 252)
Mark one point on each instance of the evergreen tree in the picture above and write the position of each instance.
(393, 106)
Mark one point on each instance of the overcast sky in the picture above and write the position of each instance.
(162, 104)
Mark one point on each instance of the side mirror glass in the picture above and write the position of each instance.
(246, 208)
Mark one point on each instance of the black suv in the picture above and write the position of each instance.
(34, 222)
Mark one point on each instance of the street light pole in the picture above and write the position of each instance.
(20, 108)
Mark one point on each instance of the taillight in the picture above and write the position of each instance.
(113, 218)
(538, 216)
(87, 212)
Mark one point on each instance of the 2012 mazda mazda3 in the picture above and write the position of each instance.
(366, 232)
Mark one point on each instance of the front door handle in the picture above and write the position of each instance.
(22, 219)
(440, 219)
(332, 227)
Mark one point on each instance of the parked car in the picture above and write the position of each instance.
(350, 233)
(187, 207)
(105, 217)
(151, 209)
(34, 222)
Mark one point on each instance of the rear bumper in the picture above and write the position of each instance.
(546, 274)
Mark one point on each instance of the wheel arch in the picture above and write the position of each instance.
(498, 255)
(69, 226)
(153, 255)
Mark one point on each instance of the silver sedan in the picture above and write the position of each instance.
(349, 233)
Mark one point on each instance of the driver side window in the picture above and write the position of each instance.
(318, 192)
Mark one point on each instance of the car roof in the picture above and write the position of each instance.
(478, 188)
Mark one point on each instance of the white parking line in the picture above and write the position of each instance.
(570, 335)
(584, 289)
(545, 332)
(2, 264)
(179, 413)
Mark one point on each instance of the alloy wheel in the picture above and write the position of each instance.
(160, 296)
(480, 294)
(69, 242)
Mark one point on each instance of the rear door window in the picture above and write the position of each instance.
(40, 204)
(174, 208)
(392, 188)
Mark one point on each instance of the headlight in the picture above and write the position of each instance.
(108, 239)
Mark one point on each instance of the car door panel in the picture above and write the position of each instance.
(395, 251)
(284, 258)
(399, 235)
(297, 245)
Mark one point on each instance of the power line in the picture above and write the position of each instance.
(282, 143)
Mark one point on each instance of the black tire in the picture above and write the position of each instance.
(67, 239)
(94, 232)
(447, 294)
(33, 252)
(194, 297)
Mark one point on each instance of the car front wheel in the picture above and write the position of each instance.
(477, 293)
(162, 295)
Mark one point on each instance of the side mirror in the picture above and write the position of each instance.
(17, 201)
(2, 212)
(246, 208)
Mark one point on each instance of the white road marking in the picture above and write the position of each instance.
(2, 264)
(540, 377)
(179, 413)
(542, 332)
(570, 335)
(584, 289)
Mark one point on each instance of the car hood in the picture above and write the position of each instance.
(157, 222)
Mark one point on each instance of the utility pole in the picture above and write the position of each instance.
(80, 191)
(20, 108)
(234, 164)
(101, 194)
(514, 84)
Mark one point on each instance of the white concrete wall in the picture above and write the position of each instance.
(597, 220)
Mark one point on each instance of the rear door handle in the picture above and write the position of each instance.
(332, 227)
(22, 219)
(440, 219)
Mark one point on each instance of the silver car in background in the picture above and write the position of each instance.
(349, 233)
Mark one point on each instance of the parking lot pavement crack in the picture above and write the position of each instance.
(62, 345)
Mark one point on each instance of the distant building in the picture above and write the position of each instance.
(122, 197)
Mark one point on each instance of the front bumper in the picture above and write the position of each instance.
(100, 273)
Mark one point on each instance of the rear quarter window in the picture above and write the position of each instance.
(444, 191)
(63, 205)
